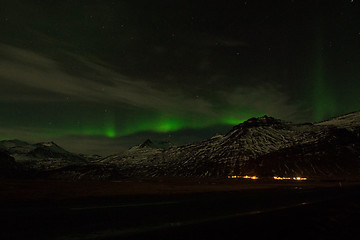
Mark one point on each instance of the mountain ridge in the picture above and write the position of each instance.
(231, 153)
(263, 146)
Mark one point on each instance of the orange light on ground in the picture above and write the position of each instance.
(300, 178)
(245, 177)
(287, 178)
(249, 177)
(281, 178)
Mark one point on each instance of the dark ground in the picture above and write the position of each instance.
(174, 209)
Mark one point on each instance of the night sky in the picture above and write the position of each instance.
(100, 76)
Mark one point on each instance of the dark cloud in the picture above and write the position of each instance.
(268, 99)
(24, 69)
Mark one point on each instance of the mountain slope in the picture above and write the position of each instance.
(262, 146)
(39, 156)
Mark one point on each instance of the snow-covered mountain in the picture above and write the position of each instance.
(262, 146)
(156, 144)
(39, 156)
(350, 121)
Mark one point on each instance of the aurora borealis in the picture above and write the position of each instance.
(100, 76)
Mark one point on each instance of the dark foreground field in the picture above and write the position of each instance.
(179, 209)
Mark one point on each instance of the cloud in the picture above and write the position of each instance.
(28, 76)
(23, 70)
(267, 99)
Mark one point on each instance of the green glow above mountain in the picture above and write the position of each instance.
(112, 127)
(323, 100)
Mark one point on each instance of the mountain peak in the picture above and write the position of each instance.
(146, 143)
(156, 144)
(12, 143)
(48, 144)
(261, 121)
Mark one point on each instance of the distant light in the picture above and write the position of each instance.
(245, 177)
(281, 178)
(274, 177)
(288, 178)
(300, 178)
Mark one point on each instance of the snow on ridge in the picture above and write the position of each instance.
(351, 120)
(47, 144)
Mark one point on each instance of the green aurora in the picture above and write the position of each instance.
(113, 70)
(79, 120)
(323, 101)
(161, 124)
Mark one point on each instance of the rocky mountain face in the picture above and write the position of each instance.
(263, 146)
(260, 146)
(36, 157)
(155, 144)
